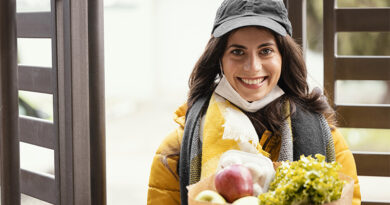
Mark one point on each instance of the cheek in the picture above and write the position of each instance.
(276, 68)
(229, 68)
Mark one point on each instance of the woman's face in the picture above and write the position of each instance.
(252, 62)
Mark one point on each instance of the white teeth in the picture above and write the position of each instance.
(253, 82)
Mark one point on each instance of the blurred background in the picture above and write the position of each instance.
(150, 49)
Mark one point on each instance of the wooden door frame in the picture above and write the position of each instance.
(76, 81)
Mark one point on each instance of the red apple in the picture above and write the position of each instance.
(233, 182)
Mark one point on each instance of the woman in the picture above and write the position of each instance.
(248, 91)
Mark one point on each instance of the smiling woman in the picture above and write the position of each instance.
(248, 92)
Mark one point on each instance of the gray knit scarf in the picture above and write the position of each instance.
(309, 134)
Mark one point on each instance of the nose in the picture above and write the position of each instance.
(253, 63)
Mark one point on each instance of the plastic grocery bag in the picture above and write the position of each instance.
(260, 166)
(208, 184)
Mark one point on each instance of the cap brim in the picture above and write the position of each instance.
(243, 21)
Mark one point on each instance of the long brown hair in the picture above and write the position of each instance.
(205, 75)
(206, 72)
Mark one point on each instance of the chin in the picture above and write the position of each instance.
(252, 98)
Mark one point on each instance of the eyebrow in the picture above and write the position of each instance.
(243, 47)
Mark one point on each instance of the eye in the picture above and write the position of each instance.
(237, 52)
(266, 51)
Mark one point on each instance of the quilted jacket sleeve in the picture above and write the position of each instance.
(345, 158)
(164, 188)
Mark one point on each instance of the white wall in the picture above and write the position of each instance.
(152, 46)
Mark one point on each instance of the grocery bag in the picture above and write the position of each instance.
(208, 184)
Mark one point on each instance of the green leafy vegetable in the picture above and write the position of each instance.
(307, 180)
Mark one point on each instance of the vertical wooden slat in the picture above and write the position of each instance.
(65, 131)
(73, 82)
(81, 119)
(97, 105)
(55, 87)
(64, 103)
(80, 101)
(329, 49)
(9, 125)
(297, 15)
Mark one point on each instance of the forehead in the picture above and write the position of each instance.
(251, 35)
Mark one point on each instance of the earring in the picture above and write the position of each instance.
(220, 66)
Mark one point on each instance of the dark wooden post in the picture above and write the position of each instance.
(297, 15)
(329, 49)
(97, 102)
(81, 102)
(9, 113)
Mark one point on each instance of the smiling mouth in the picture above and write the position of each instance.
(252, 81)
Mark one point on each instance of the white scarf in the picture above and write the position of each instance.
(225, 90)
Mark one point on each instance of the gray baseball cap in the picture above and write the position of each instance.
(233, 14)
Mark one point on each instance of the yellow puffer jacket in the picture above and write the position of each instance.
(164, 187)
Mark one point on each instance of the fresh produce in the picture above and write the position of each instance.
(247, 200)
(307, 180)
(261, 168)
(234, 182)
(210, 196)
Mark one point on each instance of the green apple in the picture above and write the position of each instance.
(210, 196)
(247, 200)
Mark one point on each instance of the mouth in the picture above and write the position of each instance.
(253, 82)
